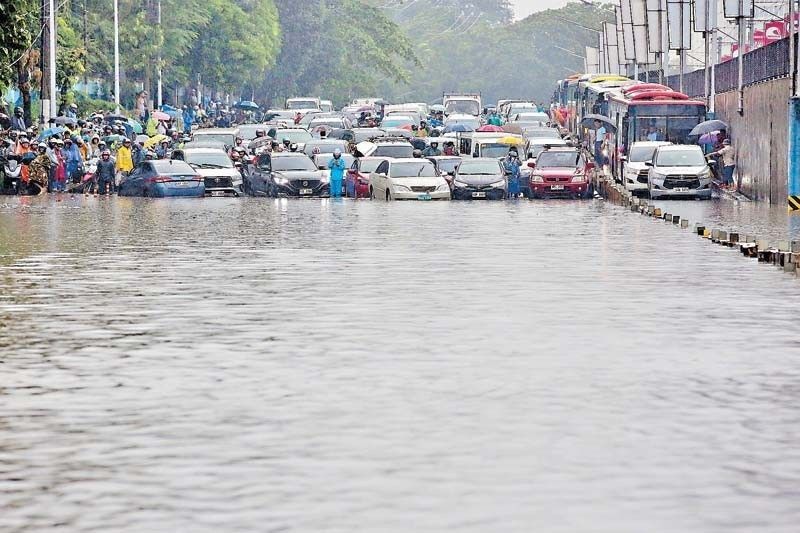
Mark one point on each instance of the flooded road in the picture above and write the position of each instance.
(338, 366)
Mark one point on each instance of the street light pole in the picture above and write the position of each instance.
(51, 59)
(159, 100)
(116, 55)
(793, 166)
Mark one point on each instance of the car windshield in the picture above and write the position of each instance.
(226, 138)
(301, 104)
(484, 168)
(470, 123)
(322, 160)
(495, 150)
(248, 131)
(680, 158)
(640, 154)
(394, 150)
(173, 167)
(468, 107)
(280, 164)
(294, 136)
(365, 134)
(208, 159)
(423, 169)
(396, 122)
(330, 122)
(542, 133)
(448, 165)
(557, 159)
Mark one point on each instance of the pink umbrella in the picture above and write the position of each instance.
(490, 127)
(160, 115)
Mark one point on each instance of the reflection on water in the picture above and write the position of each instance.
(240, 365)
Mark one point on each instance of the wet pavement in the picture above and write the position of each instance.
(338, 366)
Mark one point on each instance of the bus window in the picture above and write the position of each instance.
(673, 129)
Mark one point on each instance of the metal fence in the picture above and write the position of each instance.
(762, 64)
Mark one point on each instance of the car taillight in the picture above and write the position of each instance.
(198, 178)
(159, 179)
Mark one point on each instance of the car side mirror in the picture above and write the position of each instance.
(648, 163)
(532, 164)
(623, 158)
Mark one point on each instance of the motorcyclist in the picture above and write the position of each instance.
(293, 147)
(162, 152)
(449, 148)
(73, 160)
(494, 119)
(261, 133)
(286, 144)
(511, 165)
(417, 154)
(337, 167)
(104, 175)
(432, 150)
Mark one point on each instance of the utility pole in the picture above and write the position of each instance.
(48, 62)
(159, 92)
(116, 55)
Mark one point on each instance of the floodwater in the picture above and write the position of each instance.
(231, 365)
(764, 221)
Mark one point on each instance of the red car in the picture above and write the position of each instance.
(561, 172)
(356, 183)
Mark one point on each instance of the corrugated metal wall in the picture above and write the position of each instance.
(760, 138)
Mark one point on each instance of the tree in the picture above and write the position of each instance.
(18, 29)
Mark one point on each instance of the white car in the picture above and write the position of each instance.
(679, 171)
(220, 175)
(408, 179)
(634, 169)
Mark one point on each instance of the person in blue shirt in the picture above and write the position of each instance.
(337, 167)
(512, 165)
(599, 137)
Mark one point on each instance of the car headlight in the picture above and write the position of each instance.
(401, 188)
(281, 181)
(498, 184)
(657, 176)
(705, 175)
(460, 184)
(536, 178)
(578, 178)
(443, 187)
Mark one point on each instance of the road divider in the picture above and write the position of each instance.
(784, 255)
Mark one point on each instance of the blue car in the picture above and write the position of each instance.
(163, 178)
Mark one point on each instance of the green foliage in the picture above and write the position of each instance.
(18, 29)
(336, 48)
(70, 57)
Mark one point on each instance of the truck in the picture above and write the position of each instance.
(468, 103)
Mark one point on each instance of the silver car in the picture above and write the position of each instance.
(679, 171)
(220, 175)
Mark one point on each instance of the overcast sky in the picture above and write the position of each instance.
(523, 8)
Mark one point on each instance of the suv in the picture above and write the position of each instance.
(396, 147)
(634, 165)
(561, 171)
(679, 171)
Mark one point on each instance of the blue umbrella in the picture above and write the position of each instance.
(169, 110)
(246, 104)
(50, 132)
(457, 128)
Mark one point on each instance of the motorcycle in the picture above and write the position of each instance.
(12, 176)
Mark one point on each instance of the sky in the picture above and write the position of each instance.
(523, 8)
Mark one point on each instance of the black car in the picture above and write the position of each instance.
(285, 174)
(480, 179)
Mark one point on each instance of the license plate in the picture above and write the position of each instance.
(479, 195)
(306, 191)
(681, 189)
(183, 184)
(424, 197)
(217, 193)
(556, 187)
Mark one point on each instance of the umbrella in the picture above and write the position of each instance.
(135, 126)
(458, 128)
(515, 141)
(365, 109)
(50, 132)
(587, 121)
(490, 128)
(170, 110)
(708, 126)
(246, 104)
(61, 121)
(110, 119)
(154, 140)
(27, 157)
(160, 115)
(405, 127)
(142, 139)
(512, 128)
(708, 138)
(109, 139)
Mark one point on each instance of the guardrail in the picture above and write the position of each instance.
(762, 64)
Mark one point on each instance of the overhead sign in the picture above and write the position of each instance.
(739, 9)
(679, 16)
